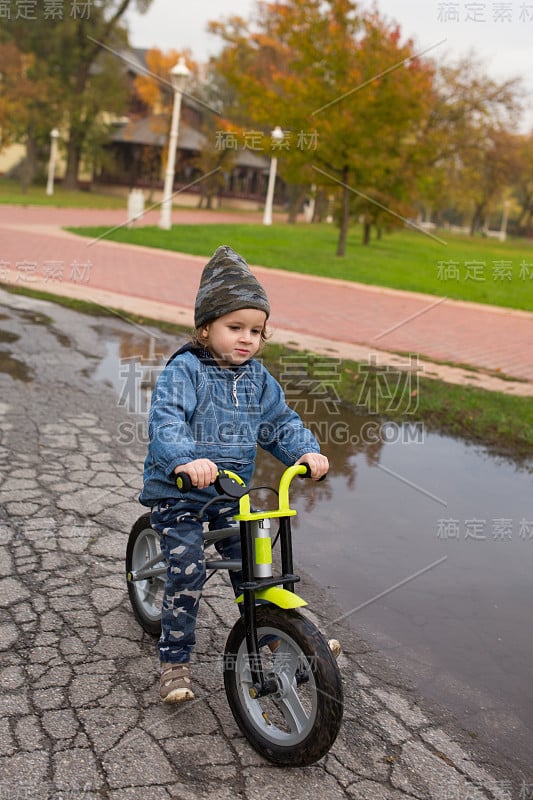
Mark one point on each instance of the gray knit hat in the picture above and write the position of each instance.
(226, 285)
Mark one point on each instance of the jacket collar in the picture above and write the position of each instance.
(205, 357)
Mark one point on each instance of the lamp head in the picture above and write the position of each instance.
(179, 74)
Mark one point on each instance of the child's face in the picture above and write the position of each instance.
(235, 337)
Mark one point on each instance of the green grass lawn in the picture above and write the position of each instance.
(10, 192)
(401, 260)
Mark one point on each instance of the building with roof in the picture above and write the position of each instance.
(136, 150)
(134, 155)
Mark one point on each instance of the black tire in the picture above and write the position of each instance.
(145, 596)
(298, 725)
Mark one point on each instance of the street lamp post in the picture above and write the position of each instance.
(54, 136)
(178, 76)
(505, 217)
(277, 136)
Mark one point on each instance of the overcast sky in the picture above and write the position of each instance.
(499, 31)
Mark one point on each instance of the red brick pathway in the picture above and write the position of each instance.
(381, 319)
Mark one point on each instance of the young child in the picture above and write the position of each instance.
(212, 405)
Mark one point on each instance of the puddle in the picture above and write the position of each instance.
(62, 338)
(8, 337)
(132, 363)
(425, 541)
(36, 318)
(12, 366)
(428, 547)
(8, 363)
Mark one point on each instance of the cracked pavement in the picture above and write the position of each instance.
(80, 715)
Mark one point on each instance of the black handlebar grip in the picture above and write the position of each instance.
(308, 473)
(183, 482)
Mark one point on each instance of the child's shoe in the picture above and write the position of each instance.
(175, 683)
(335, 647)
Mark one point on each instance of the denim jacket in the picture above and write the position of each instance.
(201, 410)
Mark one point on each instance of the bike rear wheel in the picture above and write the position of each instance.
(298, 724)
(146, 596)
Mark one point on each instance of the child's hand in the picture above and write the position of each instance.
(318, 464)
(201, 471)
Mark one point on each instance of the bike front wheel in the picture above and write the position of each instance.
(296, 725)
(146, 596)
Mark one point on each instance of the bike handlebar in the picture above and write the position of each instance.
(225, 483)
(229, 484)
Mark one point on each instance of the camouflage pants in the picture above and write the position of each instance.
(182, 547)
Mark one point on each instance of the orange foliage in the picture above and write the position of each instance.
(154, 88)
(19, 90)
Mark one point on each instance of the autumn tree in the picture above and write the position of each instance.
(490, 170)
(523, 185)
(77, 56)
(24, 106)
(154, 87)
(323, 69)
(466, 139)
(18, 91)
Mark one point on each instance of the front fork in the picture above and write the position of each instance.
(256, 548)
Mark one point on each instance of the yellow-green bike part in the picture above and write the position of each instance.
(278, 596)
(283, 510)
(234, 476)
(273, 594)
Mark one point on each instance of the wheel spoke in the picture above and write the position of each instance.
(151, 593)
(293, 711)
(286, 659)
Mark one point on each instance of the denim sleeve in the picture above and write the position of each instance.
(173, 403)
(282, 431)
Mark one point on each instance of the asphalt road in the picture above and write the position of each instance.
(80, 715)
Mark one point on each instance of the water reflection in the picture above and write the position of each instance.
(462, 630)
(133, 362)
(341, 458)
